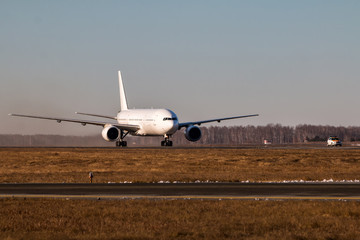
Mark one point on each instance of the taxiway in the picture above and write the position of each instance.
(270, 191)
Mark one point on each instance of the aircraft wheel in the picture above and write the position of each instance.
(121, 143)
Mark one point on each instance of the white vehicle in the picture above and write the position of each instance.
(334, 141)
(140, 122)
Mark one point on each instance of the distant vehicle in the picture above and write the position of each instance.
(267, 142)
(334, 141)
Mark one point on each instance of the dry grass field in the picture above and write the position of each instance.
(72, 165)
(177, 219)
(180, 219)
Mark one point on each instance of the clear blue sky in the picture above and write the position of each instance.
(293, 62)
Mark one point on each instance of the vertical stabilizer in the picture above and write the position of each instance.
(123, 103)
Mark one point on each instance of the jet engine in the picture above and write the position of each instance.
(192, 133)
(110, 133)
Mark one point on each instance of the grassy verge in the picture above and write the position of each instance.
(153, 165)
(181, 219)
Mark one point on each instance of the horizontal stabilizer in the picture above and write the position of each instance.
(96, 115)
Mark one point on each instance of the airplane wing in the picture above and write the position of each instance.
(186, 124)
(126, 127)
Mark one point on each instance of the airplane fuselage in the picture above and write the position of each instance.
(152, 122)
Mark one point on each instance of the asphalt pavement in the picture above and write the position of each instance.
(240, 191)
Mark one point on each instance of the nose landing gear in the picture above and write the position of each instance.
(167, 142)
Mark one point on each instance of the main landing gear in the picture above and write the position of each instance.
(167, 142)
(121, 142)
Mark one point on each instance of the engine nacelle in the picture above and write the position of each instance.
(192, 133)
(110, 133)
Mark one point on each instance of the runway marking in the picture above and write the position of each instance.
(124, 197)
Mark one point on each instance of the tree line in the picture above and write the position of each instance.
(275, 133)
(214, 135)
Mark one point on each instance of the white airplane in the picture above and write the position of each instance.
(140, 122)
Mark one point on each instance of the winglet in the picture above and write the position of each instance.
(123, 102)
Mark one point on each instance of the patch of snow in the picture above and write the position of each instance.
(163, 181)
(248, 181)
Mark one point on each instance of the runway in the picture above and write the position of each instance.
(237, 191)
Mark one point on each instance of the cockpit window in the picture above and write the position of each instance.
(169, 118)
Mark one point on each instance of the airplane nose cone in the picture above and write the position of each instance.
(172, 127)
(175, 126)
